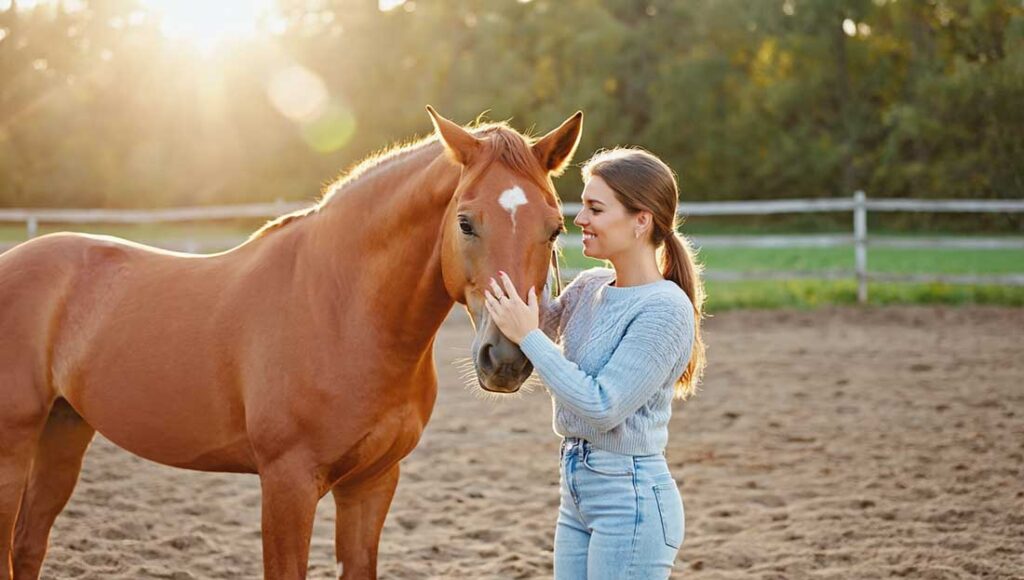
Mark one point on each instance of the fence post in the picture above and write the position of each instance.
(31, 226)
(860, 244)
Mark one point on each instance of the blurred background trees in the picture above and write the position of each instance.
(102, 105)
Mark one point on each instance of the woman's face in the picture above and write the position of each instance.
(608, 229)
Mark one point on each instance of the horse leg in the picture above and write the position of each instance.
(15, 460)
(361, 510)
(55, 468)
(20, 424)
(290, 495)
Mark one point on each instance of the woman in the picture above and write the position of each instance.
(632, 340)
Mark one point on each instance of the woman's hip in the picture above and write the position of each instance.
(623, 489)
(632, 502)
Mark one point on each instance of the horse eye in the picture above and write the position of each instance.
(466, 227)
(554, 236)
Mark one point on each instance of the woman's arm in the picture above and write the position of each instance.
(655, 341)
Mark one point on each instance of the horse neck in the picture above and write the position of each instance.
(377, 243)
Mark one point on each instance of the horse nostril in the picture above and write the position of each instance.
(521, 367)
(486, 362)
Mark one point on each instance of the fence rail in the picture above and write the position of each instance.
(859, 205)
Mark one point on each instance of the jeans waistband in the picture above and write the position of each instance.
(570, 443)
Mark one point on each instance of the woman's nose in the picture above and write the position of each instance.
(579, 219)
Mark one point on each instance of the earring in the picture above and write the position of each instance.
(637, 234)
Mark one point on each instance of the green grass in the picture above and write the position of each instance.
(893, 260)
(812, 293)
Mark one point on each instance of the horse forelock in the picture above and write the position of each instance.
(513, 150)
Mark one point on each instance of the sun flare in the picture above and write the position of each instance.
(205, 23)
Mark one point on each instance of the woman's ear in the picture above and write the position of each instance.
(644, 219)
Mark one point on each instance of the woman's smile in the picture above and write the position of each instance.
(600, 205)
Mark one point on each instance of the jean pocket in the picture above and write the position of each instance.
(670, 508)
(608, 463)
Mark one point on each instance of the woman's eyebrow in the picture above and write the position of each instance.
(593, 201)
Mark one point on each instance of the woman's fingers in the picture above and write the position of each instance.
(498, 292)
(495, 309)
(492, 303)
(489, 298)
(509, 287)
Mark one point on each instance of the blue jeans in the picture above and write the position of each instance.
(621, 516)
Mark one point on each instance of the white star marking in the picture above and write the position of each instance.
(511, 199)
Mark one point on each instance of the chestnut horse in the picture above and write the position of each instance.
(304, 355)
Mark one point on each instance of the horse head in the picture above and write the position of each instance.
(504, 216)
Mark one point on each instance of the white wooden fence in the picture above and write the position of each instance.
(859, 205)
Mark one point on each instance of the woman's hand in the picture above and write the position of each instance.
(514, 317)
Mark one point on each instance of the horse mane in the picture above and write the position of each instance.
(508, 146)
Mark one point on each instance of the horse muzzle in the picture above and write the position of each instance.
(502, 367)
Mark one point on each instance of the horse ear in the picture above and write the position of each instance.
(555, 150)
(460, 143)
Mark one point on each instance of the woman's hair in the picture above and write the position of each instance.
(641, 182)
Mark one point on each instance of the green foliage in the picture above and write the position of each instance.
(746, 100)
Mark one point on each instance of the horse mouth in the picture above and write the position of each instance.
(505, 389)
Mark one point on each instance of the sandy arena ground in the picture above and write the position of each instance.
(841, 443)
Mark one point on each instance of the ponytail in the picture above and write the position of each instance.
(679, 265)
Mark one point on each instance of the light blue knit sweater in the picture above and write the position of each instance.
(624, 348)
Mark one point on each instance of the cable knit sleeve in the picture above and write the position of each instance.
(553, 308)
(655, 343)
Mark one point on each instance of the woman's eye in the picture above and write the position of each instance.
(595, 211)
